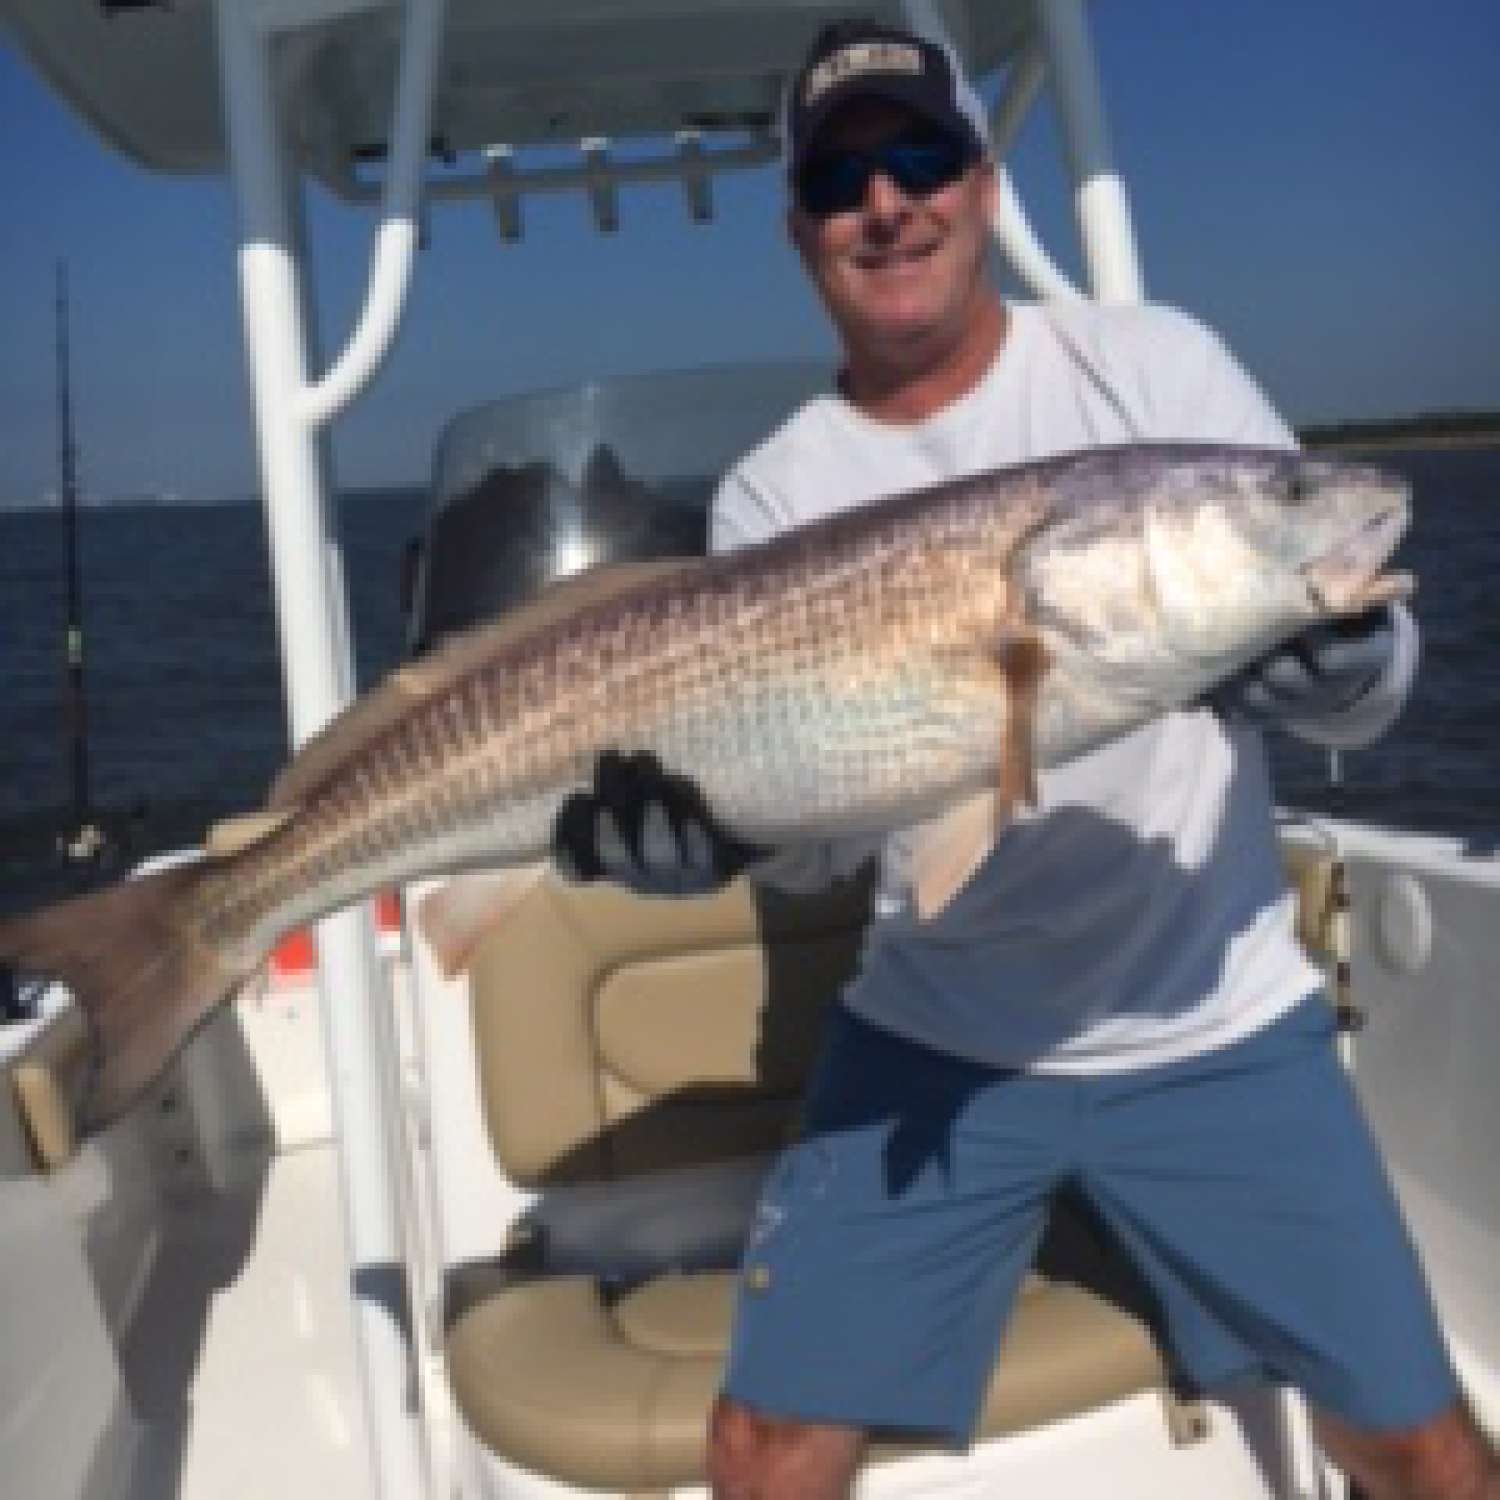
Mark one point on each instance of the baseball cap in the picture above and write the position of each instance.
(860, 59)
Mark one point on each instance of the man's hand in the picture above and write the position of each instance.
(1322, 672)
(648, 830)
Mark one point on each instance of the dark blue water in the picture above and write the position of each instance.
(185, 696)
(183, 675)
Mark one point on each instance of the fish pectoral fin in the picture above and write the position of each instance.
(231, 835)
(462, 912)
(1023, 662)
(947, 850)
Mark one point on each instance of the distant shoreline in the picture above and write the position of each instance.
(1438, 430)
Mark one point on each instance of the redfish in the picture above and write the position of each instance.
(907, 662)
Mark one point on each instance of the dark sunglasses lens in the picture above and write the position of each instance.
(833, 184)
(837, 182)
(922, 167)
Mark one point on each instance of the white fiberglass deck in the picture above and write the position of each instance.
(273, 1407)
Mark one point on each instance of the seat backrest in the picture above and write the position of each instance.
(618, 1036)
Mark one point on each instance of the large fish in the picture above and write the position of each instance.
(908, 661)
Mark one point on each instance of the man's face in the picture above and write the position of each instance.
(899, 272)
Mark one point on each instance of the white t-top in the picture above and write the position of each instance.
(1139, 913)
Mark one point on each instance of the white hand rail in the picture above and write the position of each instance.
(1099, 196)
(311, 611)
(1023, 85)
(396, 237)
(1023, 250)
(1038, 272)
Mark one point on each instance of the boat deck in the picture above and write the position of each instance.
(243, 1370)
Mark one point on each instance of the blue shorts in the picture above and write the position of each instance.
(1243, 1185)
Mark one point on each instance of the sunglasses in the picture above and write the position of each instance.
(835, 182)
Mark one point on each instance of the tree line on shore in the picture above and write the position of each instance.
(1477, 427)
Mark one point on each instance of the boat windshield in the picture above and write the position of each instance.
(536, 487)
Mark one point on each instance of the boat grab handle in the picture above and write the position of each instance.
(397, 234)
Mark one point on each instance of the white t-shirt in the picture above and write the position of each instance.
(1138, 914)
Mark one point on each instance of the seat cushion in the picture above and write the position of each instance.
(613, 1391)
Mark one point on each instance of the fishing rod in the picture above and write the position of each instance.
(83, 841)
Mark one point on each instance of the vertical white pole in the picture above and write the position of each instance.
(1103, 211)
(1021, 248)
(316, 667)
(333, 550)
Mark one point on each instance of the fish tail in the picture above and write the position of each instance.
(143, 978)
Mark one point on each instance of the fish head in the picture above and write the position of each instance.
(1245, 547)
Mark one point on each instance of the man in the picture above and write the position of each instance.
(1116, 1002)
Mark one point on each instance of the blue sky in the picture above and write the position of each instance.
(1321, 182)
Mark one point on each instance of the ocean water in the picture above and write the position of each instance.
(185, 707)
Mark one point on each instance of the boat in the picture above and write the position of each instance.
(381, 1232)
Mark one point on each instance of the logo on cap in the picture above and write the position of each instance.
(858, 59)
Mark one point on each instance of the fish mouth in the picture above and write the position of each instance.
(1349, 578)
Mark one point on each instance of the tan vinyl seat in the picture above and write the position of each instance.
(623, 1041)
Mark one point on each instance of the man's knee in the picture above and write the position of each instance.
(756, 1457)
(1448, 1458)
